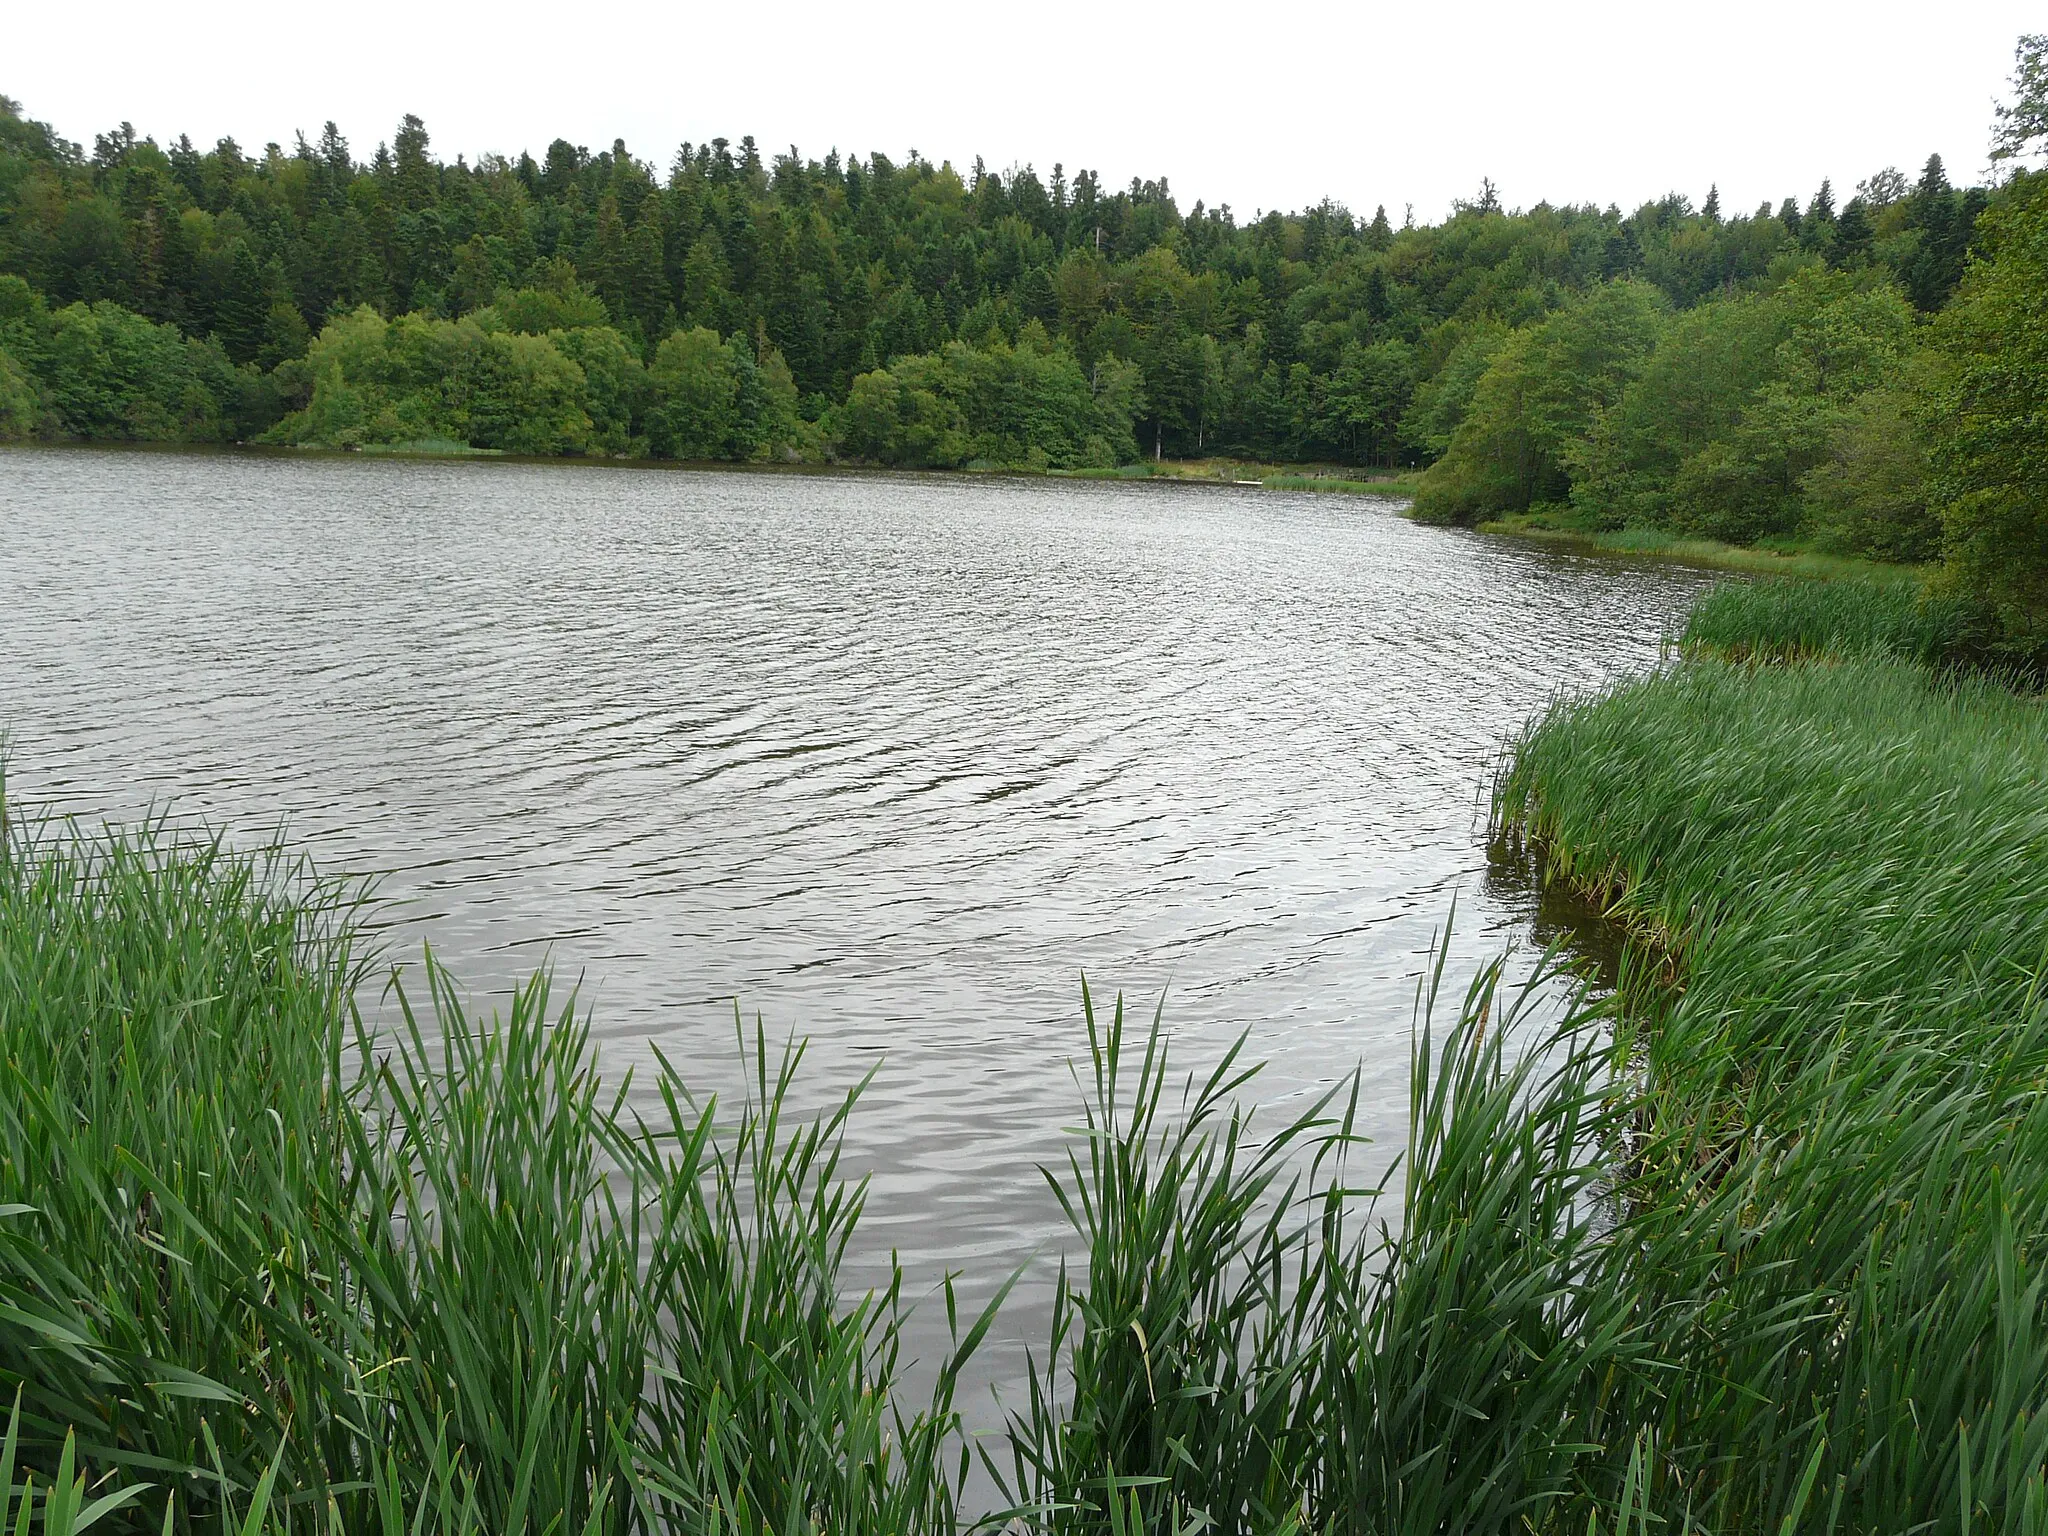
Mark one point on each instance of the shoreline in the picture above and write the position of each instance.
(1271, 477)
(1709, 553)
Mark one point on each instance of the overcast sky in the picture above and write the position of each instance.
(1259, 106)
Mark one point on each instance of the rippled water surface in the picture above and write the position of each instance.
(891, 761)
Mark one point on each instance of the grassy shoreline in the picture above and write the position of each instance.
(1710, 552)
(265, 1267)
(1831, 860)
(1337, 479)
(1206, 472)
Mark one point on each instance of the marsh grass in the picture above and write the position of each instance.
(1782, 560)
(1837, 1199)
(246, 1244)
(1241, 472)
(1397, 488)
(1791, 620)
(261, 1267)
(430, 448)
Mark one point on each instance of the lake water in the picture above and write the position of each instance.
(889, 761)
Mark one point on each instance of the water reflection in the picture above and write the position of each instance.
(1559, 916)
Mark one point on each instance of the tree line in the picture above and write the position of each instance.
(861, 307)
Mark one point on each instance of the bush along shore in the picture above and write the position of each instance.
(1756, 1245)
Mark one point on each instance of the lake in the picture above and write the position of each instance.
(888, 762)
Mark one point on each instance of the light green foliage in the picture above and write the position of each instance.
(378, 381)
(20, 406)
(1991, 452)
(1706, 423)
(1000, 405)
(616, 389)
(888, 419)
(1690, 395)
(1839, 337)
(106, 373)
(701, 389)
(1541, 393)
(1869, 494)
(2021, 126)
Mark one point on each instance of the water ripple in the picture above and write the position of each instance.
(889, 762)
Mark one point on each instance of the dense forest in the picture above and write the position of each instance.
(1742, 376)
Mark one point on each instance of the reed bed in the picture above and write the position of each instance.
(251, 1253)
(1787, 619)
(1402, 488)
(1836, 1185)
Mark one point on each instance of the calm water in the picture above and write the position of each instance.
(892, 762)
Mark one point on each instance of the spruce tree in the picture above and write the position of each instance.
(1853, 234)
(244, 307)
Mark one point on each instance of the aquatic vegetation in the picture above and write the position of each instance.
(1789, 620)
(1398, 488)
(260, 1263)
(246, 1246)
(1838, 1177)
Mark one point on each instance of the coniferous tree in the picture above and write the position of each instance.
(1853, 233)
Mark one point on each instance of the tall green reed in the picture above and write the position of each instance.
(1784, 619)
(1836, 1213)
(1760, 1249)
(268, 1266)
(247, 1242)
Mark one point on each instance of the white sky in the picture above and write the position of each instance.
(1259, 106)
